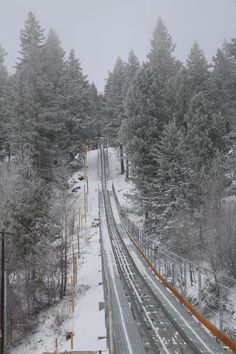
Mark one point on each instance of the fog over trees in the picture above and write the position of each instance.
(48, 110)
(177, 127)
(173, 124)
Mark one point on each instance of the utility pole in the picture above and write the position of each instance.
(3, 295)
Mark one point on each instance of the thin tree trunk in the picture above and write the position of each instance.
(127, 169)
(27, 292)
(9, 153)
(122, 167)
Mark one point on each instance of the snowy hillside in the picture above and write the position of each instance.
(87, 322)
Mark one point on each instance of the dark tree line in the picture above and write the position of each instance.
(176, 123)
(48, 110)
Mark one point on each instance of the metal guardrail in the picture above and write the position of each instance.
(118, 313)
(172, 270)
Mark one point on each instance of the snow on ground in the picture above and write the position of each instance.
(87, 322)
(124, 189)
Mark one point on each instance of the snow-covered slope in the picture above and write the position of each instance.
(87, 322)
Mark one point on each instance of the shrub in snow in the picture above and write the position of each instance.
(231, 331)
(62, 315)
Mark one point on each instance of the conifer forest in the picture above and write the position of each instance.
(173, 126)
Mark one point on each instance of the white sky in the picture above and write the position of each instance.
(101, 30)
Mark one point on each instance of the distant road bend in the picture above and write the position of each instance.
(143, 316)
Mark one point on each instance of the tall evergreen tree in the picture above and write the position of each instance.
(223, 78)
(96, 112)
(75, 107)
(206, 131)
(115, 90)
(3, 71)
(148, 107)
(53, 68)
(54, 65)
(161, 53)
(5, 110)
(181, 95)
(33, 97)
(197, 71)
(133, 66)
(114, 96)
(170, 190)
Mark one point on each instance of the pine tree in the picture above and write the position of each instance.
(170, 189)
(197, 71)
(117, 85)
(54, 65)
(96, 112)
(5, 110)
(147, 95)
(114, 96)
(206, 131)
(181, 95)
(75, 107)
(31, 40)
(132, 68)
(188, 81)
(149, 107)
(3, 71)
(223, 90)
(53, 68)
(33, 96)
(115, 90)
(161, 53)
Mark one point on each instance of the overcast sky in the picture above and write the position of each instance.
(101, 30)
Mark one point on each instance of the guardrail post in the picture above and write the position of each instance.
(146, 246)
(165, 265)
(221, 308)
(173, 273)
(153, 255)
(185, 279)
(159, 263)
(199, 288)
